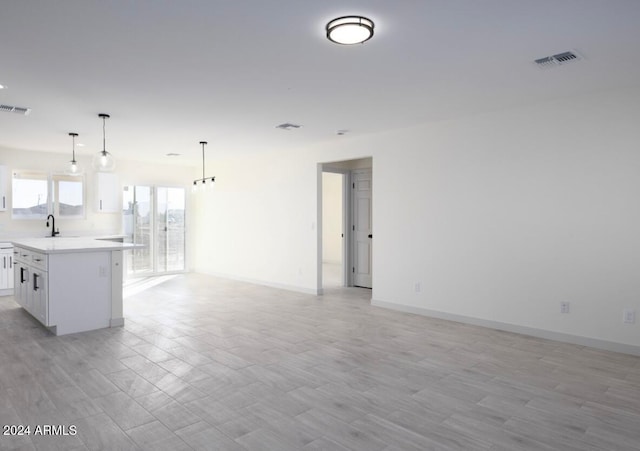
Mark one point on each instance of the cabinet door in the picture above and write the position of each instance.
(108, 193)
(4, 180)
(10, 271)
(4, 273)
(39, 298)
(21, 286)
(6, 269)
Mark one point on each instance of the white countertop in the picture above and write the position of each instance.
(61, 245)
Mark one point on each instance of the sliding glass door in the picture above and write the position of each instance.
(154, 217)
(169, 243)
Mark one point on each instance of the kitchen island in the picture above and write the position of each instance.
(70, 284)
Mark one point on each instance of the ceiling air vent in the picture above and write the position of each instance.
(288, 126)
(15, 109)
(556, 60)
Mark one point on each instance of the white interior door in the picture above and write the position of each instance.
(361, 228)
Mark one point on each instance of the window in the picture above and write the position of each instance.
(30, 195)
(68, 196)
(38, 194)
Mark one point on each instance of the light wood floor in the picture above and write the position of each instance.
(206, 363)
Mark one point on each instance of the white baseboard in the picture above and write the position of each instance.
(524, 330)
(315, 292)
(116, 322)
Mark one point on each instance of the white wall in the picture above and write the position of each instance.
(499, 217)
(331, 217)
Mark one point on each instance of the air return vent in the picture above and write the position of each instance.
(556, 60)
(15, 109)
(288, 126)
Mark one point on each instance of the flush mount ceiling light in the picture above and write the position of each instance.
(103, 161)
(348, 30)
(73, 166)
(203, 181)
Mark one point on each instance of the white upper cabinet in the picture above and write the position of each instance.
(4, 181)
(107, 193)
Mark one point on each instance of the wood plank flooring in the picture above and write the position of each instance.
(211, 364)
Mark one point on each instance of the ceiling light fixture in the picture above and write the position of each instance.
(349, 30)
(103, 161)
(203, 181)
(73, 167)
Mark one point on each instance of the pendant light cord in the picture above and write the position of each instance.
(104, 139)
(73, 148)
(203, 143)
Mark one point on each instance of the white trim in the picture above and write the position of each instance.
(524, 330)
(116, 322)
(281, 286)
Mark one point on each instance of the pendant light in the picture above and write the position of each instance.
(103, 161)
(73, 168)
(202, 183)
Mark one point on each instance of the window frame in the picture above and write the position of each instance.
(52, 202)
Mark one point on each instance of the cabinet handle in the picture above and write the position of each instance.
(10, 261)
(22, 280)
(100, 204)
(37, 259)
(4, 262)
(4, 202)
(35, 282)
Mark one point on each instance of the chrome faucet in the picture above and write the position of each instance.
(54, 232)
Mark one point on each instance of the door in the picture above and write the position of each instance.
(137, 216)
(170, 229)
(155, 217)
(361, 227)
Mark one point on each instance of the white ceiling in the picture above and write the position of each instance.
(172, 73)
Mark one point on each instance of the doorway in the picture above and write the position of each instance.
(345, 240)
(155, 217)
(333, 227)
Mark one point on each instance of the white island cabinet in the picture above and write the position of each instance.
(70, 284)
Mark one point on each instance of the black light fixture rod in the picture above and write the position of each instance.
(203, 144)
(73, 149)
(104, 117)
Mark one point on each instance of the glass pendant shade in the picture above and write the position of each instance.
(103, 161)
(73, 168)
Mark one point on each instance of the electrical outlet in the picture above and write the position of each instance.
(629, 316)
(417, 287)
(564, 307)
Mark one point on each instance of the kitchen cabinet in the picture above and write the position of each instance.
(107, 193)
(4, 181)
(6, 267)
(31, 283)
(70, 284)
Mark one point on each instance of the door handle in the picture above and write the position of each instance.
(370, 235)
(22, 275)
